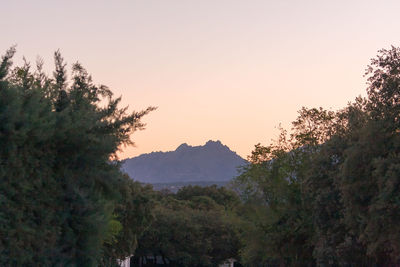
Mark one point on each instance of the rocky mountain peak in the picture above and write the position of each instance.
(210, 162)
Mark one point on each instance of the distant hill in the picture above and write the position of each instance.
(213, 162)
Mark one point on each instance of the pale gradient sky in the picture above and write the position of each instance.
(216, 69)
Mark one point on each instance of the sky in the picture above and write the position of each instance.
(223, 70)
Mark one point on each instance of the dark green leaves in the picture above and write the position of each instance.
(62, 199)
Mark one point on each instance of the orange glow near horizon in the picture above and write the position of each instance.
(224, 70)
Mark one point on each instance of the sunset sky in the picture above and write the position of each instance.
(216, 69)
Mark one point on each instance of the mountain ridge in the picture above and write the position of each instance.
(211, 162)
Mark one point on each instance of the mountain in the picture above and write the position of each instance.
(211, 162)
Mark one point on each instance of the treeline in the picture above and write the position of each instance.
(63, 198)
(328, 191)
(325, 193)
(197, 226)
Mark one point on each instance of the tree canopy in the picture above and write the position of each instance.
(328, 193)
(60, 186)
(194, 227)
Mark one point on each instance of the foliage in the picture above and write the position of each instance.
(331, 187)
(276, 213)
(134, 212)
(58, 186)
(325, 193)
(191, 228)
(221, 195)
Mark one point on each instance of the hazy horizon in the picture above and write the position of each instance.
(217, 70)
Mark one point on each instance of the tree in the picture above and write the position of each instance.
(271, 185)
(191, 229)
(134, 212)
(371, 165)
(221, 195)
(344, 165)
(58, 183)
